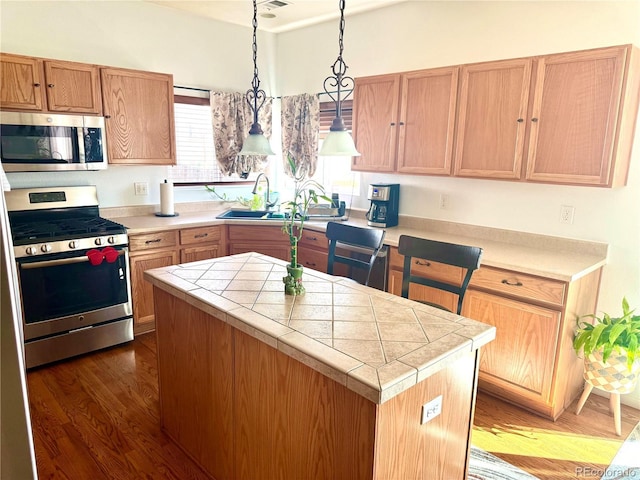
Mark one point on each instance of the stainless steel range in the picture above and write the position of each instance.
(73, 273)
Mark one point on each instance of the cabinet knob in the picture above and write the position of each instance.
(520, 120)
(534, 119)
(107, 116)
(393, 124)
(36, 84)
(401, 123)
(50, 85)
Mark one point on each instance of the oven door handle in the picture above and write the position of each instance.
(62, 261)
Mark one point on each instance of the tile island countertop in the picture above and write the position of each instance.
(374, 343)
(558, 258)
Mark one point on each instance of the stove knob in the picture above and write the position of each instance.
(111, 240)
(45, 248)
(98, 241)
(73, 244)
(32, 250)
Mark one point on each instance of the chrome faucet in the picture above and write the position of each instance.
(267, 202)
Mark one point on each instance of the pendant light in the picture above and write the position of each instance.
(256, 143)
(339, 141)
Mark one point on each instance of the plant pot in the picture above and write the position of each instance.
(612, 376)
(293, 281)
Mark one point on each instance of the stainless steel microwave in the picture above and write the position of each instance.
(40, 142)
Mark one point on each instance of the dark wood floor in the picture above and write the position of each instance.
(97, 417)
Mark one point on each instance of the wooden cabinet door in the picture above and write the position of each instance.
(574, 116)
(142, 291)
(195, 254)
(138, 107)
(73, 87)
(427, 118)
(491, 119)
(521, 358)
(21, 83)
(375, 118)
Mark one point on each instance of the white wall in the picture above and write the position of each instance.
(412, 35)
(416, 35)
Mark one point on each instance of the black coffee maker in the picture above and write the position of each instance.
(385, 199)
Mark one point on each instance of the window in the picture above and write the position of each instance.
(195, 153)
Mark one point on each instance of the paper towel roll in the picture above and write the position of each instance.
(166, 198)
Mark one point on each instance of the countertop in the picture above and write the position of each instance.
(375, 343)
(551, 257)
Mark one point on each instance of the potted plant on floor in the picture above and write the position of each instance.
(306, 192)
(611, 347)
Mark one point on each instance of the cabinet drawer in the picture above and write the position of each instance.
(260, 233)
(427, 268)
(314, 240)
(314, 259)
(520, 285)
(148, 241)
(192, 236)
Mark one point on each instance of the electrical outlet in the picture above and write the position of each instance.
(444, 201)
(566, 214)
(141, 188)
(431, 410)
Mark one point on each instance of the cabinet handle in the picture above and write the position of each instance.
(520, 120)
(423, 263)
(201, 235)
(36, 84)
(534, 119)
(401, 123)
(310, 264)
(50, 85)
(107, 116)
(157, 240)
(393, 124)
(512, 284)
(313, 239)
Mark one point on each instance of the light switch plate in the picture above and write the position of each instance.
(431, 409)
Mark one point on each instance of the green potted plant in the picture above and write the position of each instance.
(610, 342)
(306, 192)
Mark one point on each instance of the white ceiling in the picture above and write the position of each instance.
(294, 14)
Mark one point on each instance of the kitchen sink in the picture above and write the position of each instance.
(250, 215)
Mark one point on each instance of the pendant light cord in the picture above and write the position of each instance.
(255, 94)
(339, 80)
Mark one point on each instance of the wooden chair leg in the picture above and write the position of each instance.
(585, 394)
(614, 403)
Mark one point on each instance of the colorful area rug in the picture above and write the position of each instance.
(485, 466)
(626, 463)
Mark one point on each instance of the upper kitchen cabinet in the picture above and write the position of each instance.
(491, 119)
(36, 84)
(375, 111)
(583, 117)
(21, 87)
(404, 122)
(138, 109)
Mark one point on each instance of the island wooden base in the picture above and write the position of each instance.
(243, 410)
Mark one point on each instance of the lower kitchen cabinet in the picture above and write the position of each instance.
(202, 243)
(161, 249)
(261, 239)
(147, 251)
(531, 363)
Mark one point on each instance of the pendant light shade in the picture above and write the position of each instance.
(339, 141)
(256, 143)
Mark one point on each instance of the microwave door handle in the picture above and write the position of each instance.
(81, 146)
(62, 261)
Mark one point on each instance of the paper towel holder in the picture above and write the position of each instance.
(161, 213)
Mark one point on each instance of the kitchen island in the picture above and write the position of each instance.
(343, 382)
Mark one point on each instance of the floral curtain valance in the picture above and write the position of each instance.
(232, 118)
(300, 129)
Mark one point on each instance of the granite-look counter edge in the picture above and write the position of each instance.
(374, 343)
(551, 257)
